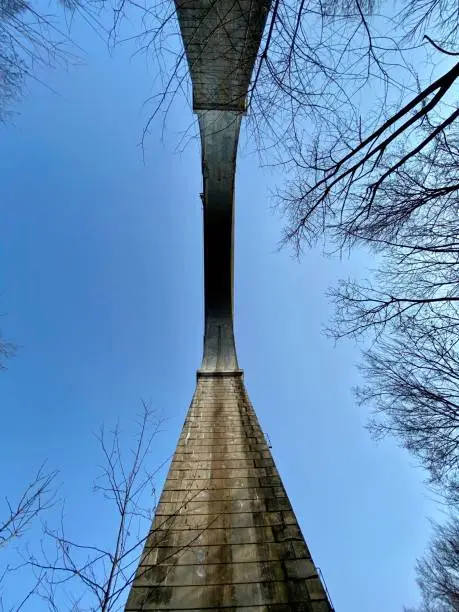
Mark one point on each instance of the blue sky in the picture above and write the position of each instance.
(101, 288)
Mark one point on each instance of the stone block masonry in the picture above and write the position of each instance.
(224, 535)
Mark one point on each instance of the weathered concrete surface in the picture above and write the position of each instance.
(219, 138)
(224, 535)
(221, 39)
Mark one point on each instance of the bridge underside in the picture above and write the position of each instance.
(221, 40)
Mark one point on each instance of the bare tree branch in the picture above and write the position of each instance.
(38, 496)
(438, 570)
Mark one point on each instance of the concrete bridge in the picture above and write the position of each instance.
(224, 536)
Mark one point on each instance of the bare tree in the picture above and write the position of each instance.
(96, 575)
(344, 174)
(31, 39)
(438, 570)
(387, 181)
(411, 306)
(38, 497)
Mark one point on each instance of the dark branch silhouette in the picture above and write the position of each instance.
(89, 576)
(17, 517)
(438, 570)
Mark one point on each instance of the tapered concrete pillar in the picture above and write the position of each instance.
(224, 536)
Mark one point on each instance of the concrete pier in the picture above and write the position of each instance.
(224, 536)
